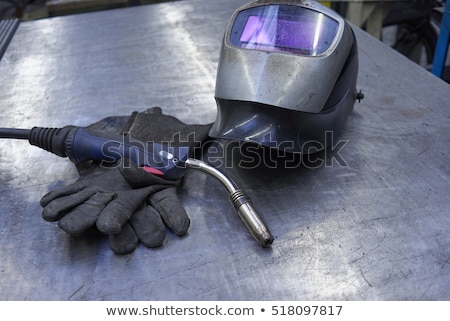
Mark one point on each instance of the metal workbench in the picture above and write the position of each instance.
(369, 222)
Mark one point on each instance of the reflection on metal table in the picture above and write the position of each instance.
(370, 222)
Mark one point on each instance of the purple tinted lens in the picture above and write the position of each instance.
(278, 28)
(279, 33)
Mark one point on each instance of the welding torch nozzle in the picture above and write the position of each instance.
(240, 201)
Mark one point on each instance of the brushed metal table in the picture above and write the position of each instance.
(369, 221)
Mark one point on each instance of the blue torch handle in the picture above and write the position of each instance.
(162, 160)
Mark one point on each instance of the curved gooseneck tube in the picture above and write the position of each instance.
(240, 201)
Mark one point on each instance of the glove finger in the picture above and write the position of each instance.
(57, 207)
(119, 211)
(149, 226)
(124, 242)
(61, 192)
(85, 215)
(172, 212)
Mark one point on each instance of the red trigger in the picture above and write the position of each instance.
(153, 171)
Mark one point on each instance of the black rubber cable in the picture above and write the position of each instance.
(15, 133)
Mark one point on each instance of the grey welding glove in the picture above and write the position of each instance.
(125, 202)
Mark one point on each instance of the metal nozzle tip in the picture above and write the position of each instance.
(255, 224)
(267, 242)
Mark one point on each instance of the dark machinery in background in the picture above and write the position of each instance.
(412, 26)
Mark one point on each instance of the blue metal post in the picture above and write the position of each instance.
(443, 42)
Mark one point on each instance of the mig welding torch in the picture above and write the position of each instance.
(82, 144)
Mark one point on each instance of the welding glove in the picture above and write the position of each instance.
(125, 202)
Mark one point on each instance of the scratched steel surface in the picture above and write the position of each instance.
(369, 221)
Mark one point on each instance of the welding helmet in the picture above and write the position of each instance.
(286, 76)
